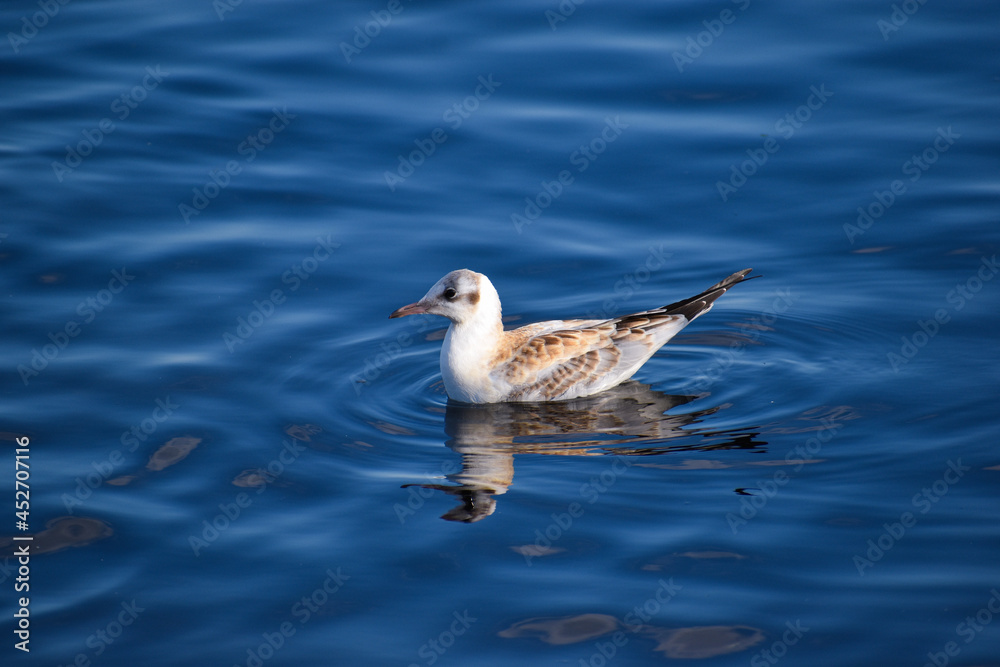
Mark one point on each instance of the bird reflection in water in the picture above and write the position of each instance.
(628, 420)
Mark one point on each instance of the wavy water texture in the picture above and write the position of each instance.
(210, 208)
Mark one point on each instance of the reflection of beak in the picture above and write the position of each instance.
(412, 309)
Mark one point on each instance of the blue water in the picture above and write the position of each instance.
(209, 210)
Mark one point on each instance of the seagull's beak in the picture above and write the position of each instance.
(412, 309)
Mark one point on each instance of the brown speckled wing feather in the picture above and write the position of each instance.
(550, 364)
(546, 360)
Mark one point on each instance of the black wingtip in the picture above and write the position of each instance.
(698, 304)
(734, 279)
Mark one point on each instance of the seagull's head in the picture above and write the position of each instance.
(461, 296)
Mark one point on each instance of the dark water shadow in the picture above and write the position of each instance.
(629, 420)
(685, 643)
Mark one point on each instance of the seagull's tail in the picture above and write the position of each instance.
(700, 304)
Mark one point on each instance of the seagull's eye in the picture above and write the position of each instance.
(450, 293)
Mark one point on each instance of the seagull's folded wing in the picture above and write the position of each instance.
(565, 363)
(564, 359)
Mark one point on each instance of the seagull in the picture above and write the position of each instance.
(555, 360)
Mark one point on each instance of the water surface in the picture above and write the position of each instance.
(209, 210)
